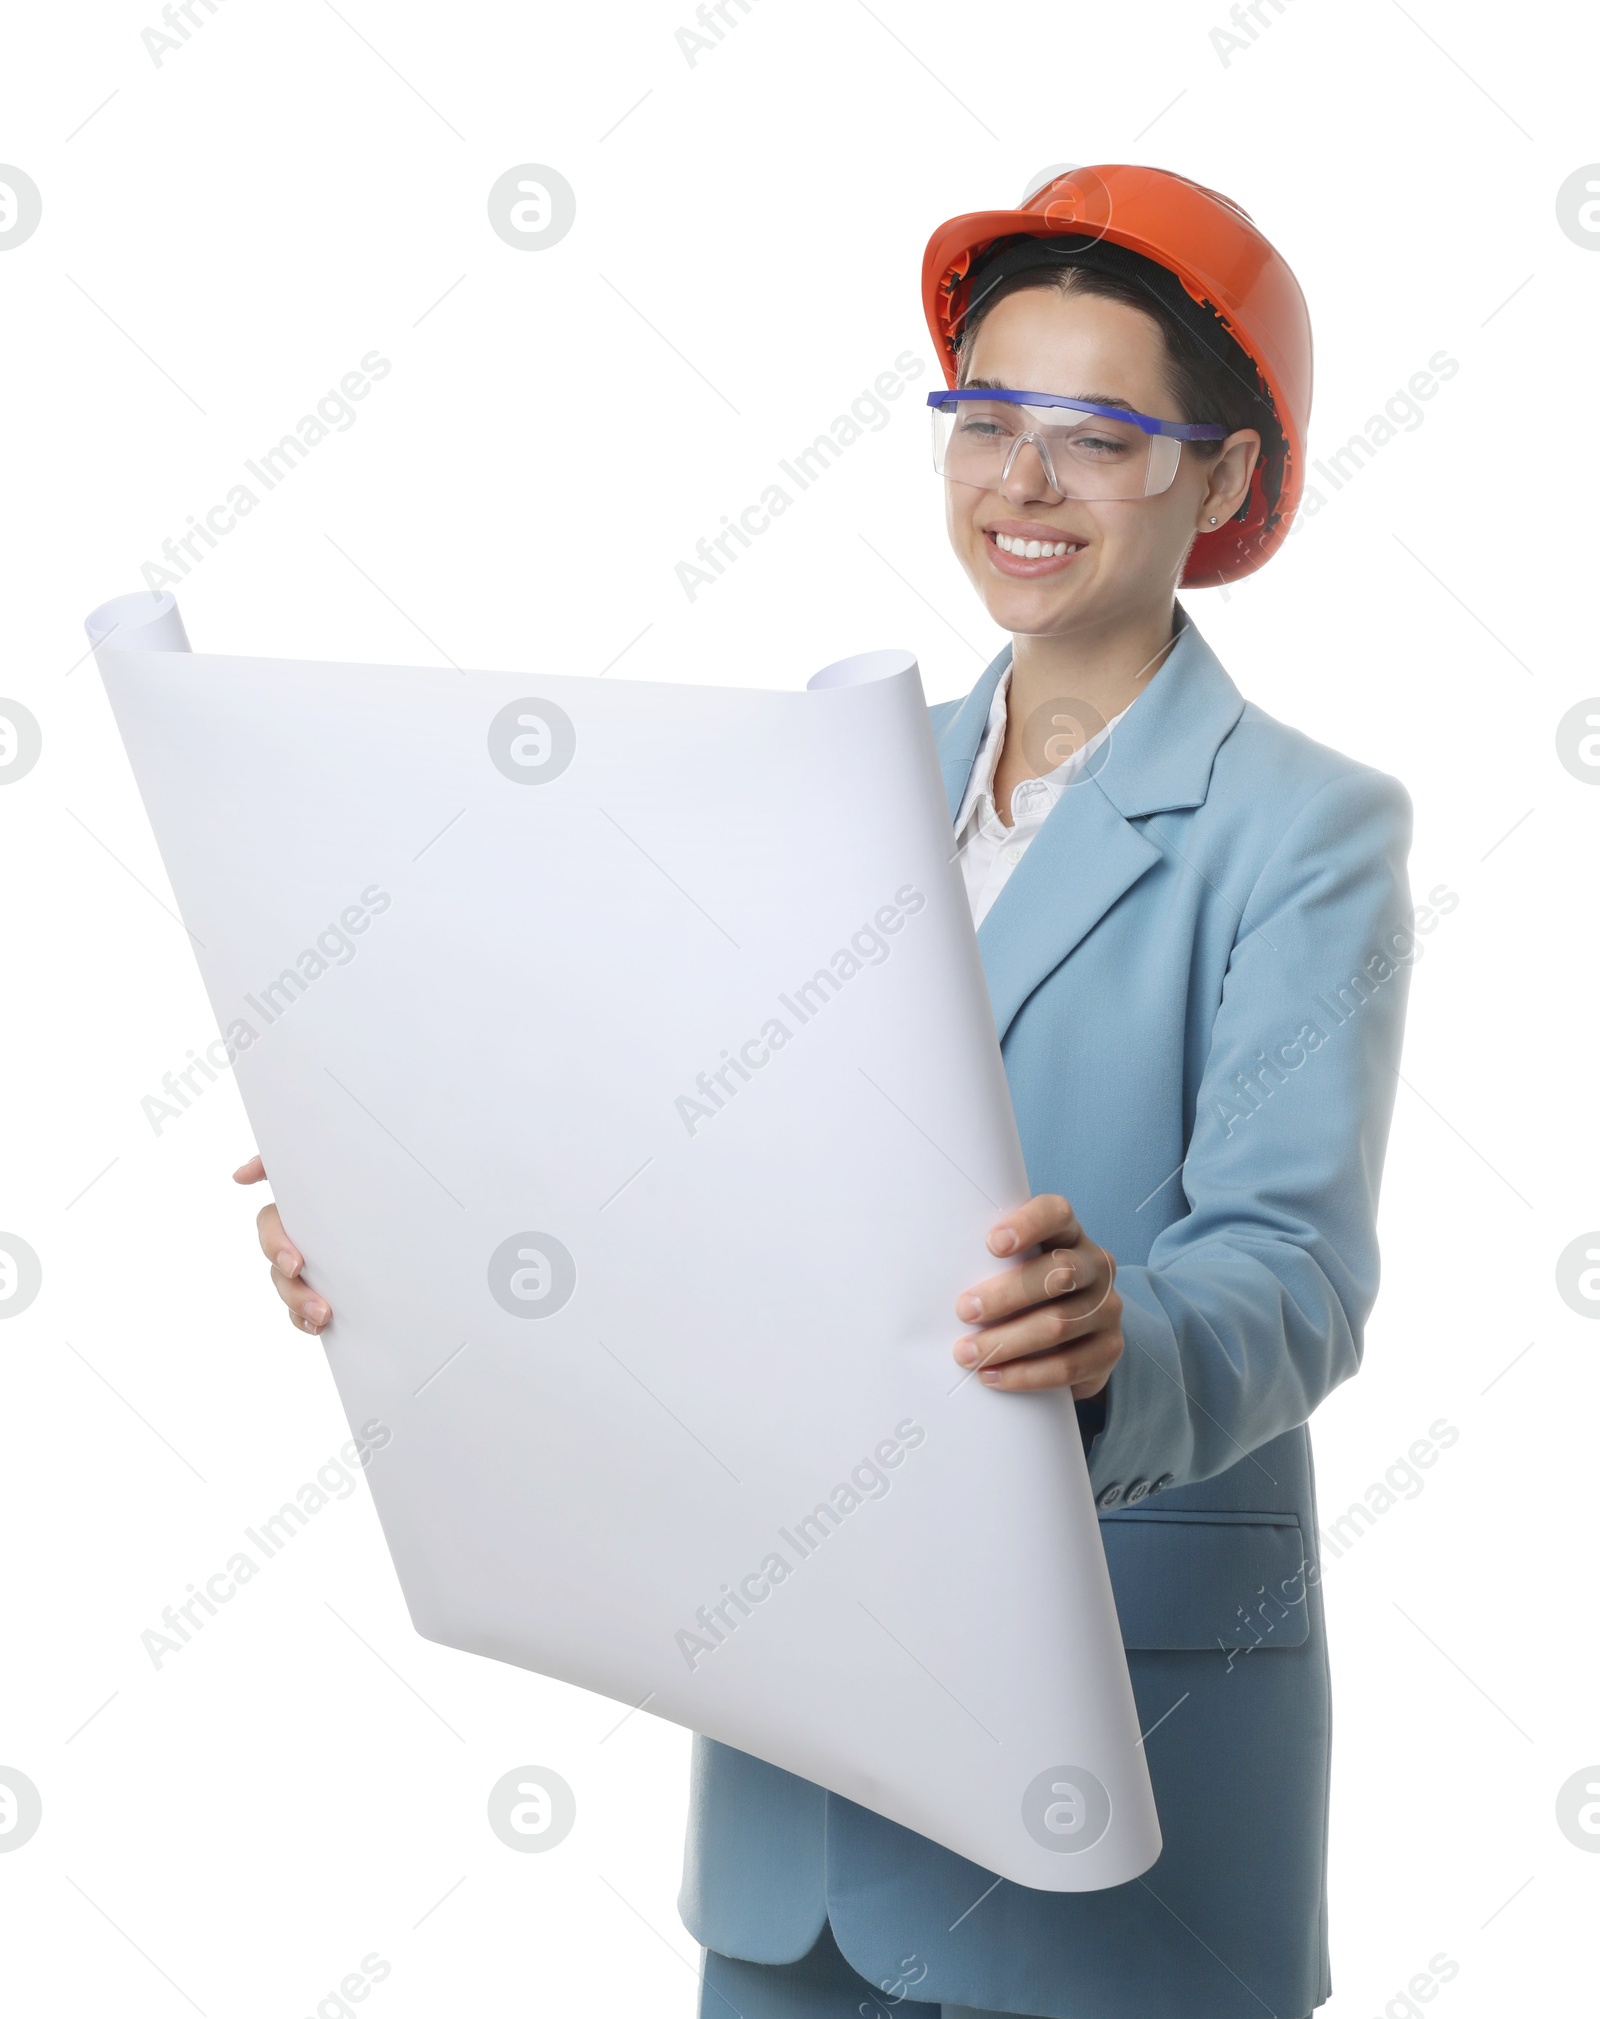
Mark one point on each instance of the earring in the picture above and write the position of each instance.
(1213, 518)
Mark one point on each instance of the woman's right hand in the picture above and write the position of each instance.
(306, 1309)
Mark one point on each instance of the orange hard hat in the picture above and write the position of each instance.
(1223, 262)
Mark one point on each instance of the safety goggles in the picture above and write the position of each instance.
(1086, 451)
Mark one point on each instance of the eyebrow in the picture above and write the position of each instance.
(1090, 399)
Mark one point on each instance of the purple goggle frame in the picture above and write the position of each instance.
(1183, 431)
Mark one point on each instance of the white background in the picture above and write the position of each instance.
(224, 236)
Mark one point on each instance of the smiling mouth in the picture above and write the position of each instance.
(1029, 554)
(1033, 550)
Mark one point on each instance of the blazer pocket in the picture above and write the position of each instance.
(1186, 1582)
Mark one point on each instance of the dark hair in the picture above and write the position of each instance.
(1209, 374)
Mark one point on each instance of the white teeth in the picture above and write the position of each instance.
(1033, 550)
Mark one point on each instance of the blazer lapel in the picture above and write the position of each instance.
(1076, 867)
(958, 740)
(1089, 852)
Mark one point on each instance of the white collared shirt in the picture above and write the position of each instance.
(988, 850)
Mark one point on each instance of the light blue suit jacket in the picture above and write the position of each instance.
(1198, 973)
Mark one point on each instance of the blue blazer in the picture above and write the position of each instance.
(1198, 973)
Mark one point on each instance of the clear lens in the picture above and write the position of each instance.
(1083, 455)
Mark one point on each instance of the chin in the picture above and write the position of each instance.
(1031, 610)
(1028, 606)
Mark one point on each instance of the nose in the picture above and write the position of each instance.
(1027, 474)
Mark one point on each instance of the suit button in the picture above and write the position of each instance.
(1137, 1491)
(1111, 1496)
(1160, 1485)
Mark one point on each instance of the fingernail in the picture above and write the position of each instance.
(288, 1261)
(970, 1308)
(967, 1352)
(315, 1314)
(990, 1377)
(1002, 1241)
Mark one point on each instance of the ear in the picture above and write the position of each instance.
(1228, 489)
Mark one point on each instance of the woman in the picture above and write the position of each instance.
(1196, 930)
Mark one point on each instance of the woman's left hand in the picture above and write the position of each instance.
(1055, 1322)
